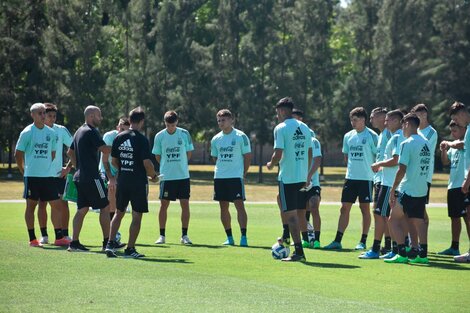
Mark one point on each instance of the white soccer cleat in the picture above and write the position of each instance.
(44, 240)
(160, 240)
(185, 240)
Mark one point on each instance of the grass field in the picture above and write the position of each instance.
(207, 277)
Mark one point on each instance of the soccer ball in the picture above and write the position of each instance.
(279, 251)
(311, 238)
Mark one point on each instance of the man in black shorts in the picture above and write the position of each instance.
(131, 156)
(83, 153)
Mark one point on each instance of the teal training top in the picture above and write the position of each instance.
(229, 149)
(316, 152)
(108, 138)
(294, 138)
(392, 149)
(430, 134)
(467, 150)
(37, 145)
(173, 150)
(384, 137)
(63, 137)
(457, 169)
(360, 149)
(416, 155)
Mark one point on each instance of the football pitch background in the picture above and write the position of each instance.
(208, 277)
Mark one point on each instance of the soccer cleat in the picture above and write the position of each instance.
(360, 246)
(110, 249)
(68, 238)
(132, 253)
(294, 258)
(463, 258)
(243, 241)
(45, 240)
(369, 255)
(160, 240)
(305, 244)
(397, 259)
(316, 244)
(229, 241)
(76, 246)
(450, 251)
(185, 240)
(388, 255)
(334, 245)
(62, 242)
(419, 260)
(35, 243)
(384, 250)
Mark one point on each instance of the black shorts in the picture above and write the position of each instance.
(413, 207)
(136, 194)
(315, 191)
(427, 195)
(175, 189)
(382, 207)
(291, 197)
(60, 184)
(456, 206)
(377, 191)
(40, 188)
(229, 189)
(92, 194)
(357, 188)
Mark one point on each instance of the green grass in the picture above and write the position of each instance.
(210, 278)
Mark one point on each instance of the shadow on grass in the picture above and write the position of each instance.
(332, 265)
(156, 260)
(152, 245)
(340, 250)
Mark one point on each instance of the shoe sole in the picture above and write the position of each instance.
(76, 250)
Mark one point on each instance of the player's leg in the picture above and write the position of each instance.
(226, 220)
(365, 198)
(42, 219)
(185, 216)
(397, 222)
(314, 205)
(134, 228)
(465, 258)
(242, 220)
(162, 217)
(285, 224)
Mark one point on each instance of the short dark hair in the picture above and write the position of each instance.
(50, 107)
(396, 114)
(224, 113)
(136, 115)
(298, 112)
(419, 108)
(456, 107)
(285, 102)
(411, 118)
(379, 110)
(358, 112)
(170, 117)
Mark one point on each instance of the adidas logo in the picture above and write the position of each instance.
(298, 134)
(425, 151)
(126, 146)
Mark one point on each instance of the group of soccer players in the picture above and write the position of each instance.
(393, 170)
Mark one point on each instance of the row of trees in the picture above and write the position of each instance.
(197, 56)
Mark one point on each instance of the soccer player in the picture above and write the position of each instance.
(34, 154)
(172, 149)
(460, 114)
(313, 195)
(389, 166)
(377, 120)
(231, 152)
(63, 137)
(132, 157)
(430, 134)
(108, 171)
(83, 154)
(293, 153)
(359, 148)
(409, 192)
(456, 206)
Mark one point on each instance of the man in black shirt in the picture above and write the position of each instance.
(132, 157)
(83, 154)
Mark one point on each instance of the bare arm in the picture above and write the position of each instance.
(53, 155)
(246, 163)
(316, 165)
(106, 165)
(345, 159)
(158, 157)
(19, 157)
(385, 163)
(150, 170)
(105, 149)
(444, 158)
(189, 154)
(72, 159)
(115, 162)
(275, 158)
